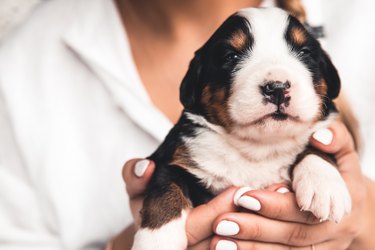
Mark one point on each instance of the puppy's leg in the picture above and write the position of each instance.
(320, 188)
(163, 219)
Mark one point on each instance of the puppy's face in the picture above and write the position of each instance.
(261, 73)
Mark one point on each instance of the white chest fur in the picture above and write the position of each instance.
(225, 162)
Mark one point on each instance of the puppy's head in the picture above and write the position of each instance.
(261, 73)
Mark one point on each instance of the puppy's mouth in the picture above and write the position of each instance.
(279, 116)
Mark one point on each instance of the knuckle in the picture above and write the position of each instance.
(352, 230)
(193, 239)
(278, 212)
(256, 232)
(298, 236)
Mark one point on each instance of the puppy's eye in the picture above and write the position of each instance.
(230, 57)
(304, 52)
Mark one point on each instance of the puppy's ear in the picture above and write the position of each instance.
(189, 89)
(330, 75)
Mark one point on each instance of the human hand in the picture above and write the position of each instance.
(137, 173)
(279, 223)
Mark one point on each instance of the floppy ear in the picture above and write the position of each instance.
(330, 75)
(189, 88)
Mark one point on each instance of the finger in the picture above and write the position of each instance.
(219, 243)
(334, 140)
(200, 219)
(245, 226)
(136, 174)
(203, 245)
(342, 146)
(278, 206)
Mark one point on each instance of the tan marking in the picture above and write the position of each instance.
(182, 158)
(321, 90)
(159, 210)
(216, 105)
(239, 40)
(298, 36)
(322, 87)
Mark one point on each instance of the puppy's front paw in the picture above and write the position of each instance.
(171, 236)
(320, 189)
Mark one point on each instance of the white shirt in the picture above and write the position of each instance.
(72, 111)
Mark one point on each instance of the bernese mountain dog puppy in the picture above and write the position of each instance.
(253, 95)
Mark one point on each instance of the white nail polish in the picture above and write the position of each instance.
(324, 136)
(239, 193)
(140, 167)
(225, 245)
(283, 190)
(249, 203)
(227, 228)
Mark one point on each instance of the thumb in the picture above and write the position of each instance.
(136, 174)
(201, 218)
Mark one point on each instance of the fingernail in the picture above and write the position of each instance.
(225, 245)
(249, 203)
(323, 136)
(140, 167)
(239, 193)
(283, 190)
(227, 228)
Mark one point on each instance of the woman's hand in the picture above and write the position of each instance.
(279, 223)
(137, 173)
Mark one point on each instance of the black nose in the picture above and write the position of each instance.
(276, 92)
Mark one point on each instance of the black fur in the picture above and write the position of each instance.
(317, 61)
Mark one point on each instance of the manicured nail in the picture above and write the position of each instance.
(239, 193)
(249, 203)
(323, 136)
(225, 245)
(283, 190)
(140, 167)
(227, 228)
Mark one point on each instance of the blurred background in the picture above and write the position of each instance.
(350, 40)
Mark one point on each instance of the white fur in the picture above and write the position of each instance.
(225, 160)
(171, 236)
(271, 60)
(238, 162)
(320, 189)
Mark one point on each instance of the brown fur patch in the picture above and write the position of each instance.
(322, 87)
(159, 210)
(239, 40)
(182, 158)
(298, 36)
(215, 102)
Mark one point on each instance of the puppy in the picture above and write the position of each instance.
(252, 97)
